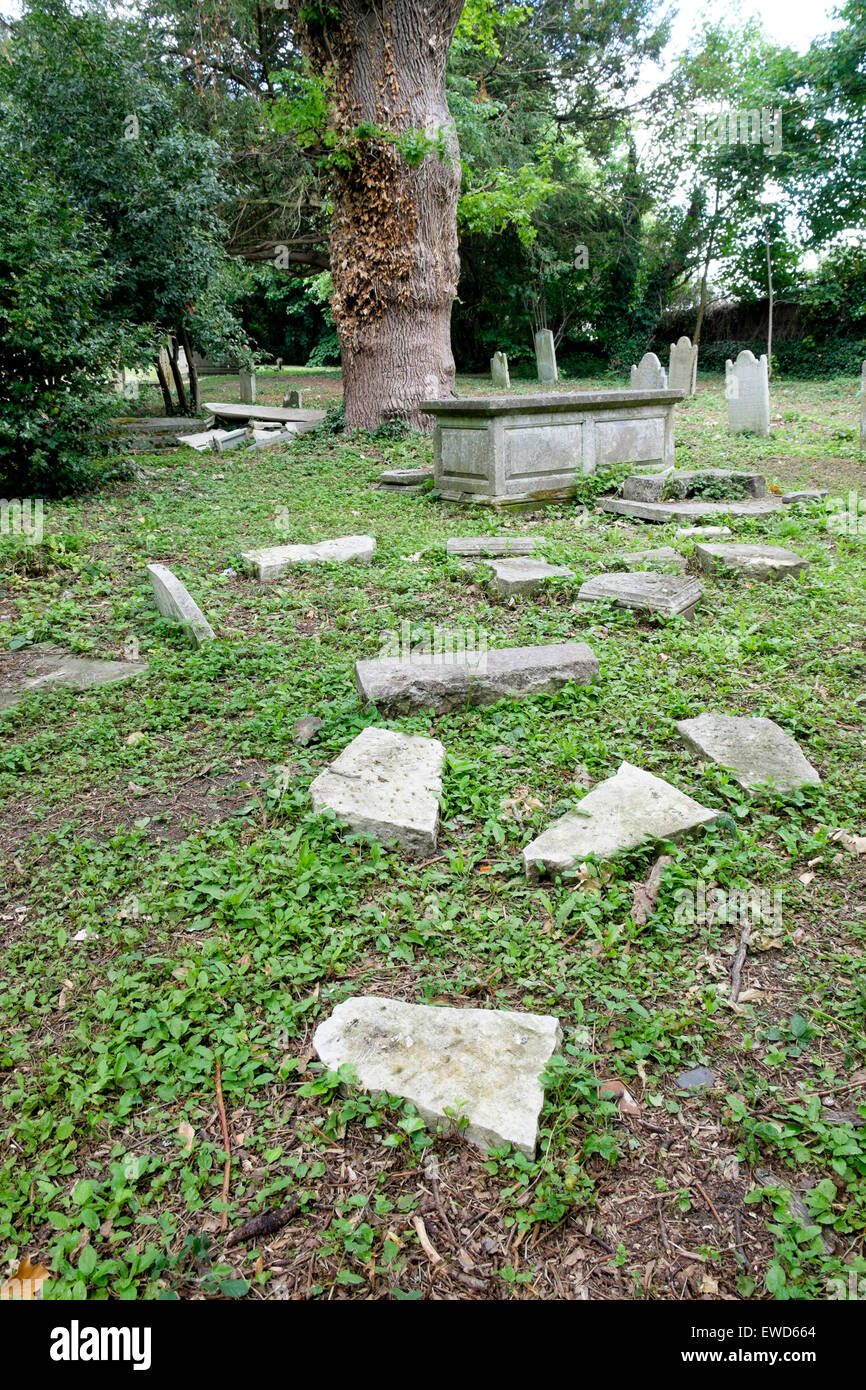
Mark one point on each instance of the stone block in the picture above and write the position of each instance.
(386, 785)
(755, 749)
(174, 601)
(755, 561)
(644, 589)
(275, 560)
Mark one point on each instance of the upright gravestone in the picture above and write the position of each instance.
(499, 370)
(863, 407)
(650, 375)
(545, 356)
(293, 400)
(247, 384)
(747, 390)
(683, 366)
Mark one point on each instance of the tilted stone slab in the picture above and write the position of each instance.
(492, 545)
(405, 477)
(657, 593)
(174, 601)
(524, 575)
(702, 533)
(664, 557)
(274, 560)
(386, 785)
(812, 494)
(757, 561)
(755, 749)
(499, 370)
(686, 511)
(46, 667)
(399, 685)
(478, 1065)
(681, 485)
(619, 814)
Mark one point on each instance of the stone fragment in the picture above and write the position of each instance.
(747, 391)
(524, 575)
(698, 1079)
(816, 494)
(545, 356)
(202, 441)
(386, 785)
(305, 730)
(649, 375)
(274, 560)
(46, 667)
(399, 685)
(755, 749)
(657, 593)
(226, 440)
(492, 545)
(621, 813)
(174, 601)
(664, 557)
(405, 477)
(680, 485)
(702, 533)
(499, 370)
(683, 366)
(756, 561)
(686, 511)
(481, 1066)
(645, 487)
(267, 438)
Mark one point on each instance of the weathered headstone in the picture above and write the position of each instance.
(747, 391)
(247, 388)
(492, 545)
(274, 560)
(46, 667)
(401, 685)
(469, 1071)
(649, 374)
(755, 561)
(293, 400)
(386, 785)
(618, 814)
(683, 366)
(656, 593)
(662, 558)
(757, 750)
(499, 370)
(524, 575)
(545, 356)
(645, 487)
(174, 601)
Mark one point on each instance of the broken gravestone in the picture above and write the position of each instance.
(545, 356)
(644, 589)
(524, 575)
(702, 533)
(273, 561)
(755, 561)
(47, 667)
(174, 601)
(747, 391)
(386, 785)
(664, 557)
(755, 749)
(492, 545)
(472, 1072)
(247, 388)
(621, 813)
(499, 370)
(649, 374)
(401, 685)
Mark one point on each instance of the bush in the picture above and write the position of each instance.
(55, 351)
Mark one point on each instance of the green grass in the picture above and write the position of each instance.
(223, 920)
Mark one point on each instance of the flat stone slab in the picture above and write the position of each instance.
(274, 560)
(399, 685)
(702, 533)
(757, 750)
(46, 667)
(682, 483)
(267, 438)
(664, 557)
(619, 814)
(478, 1065)
(174, 601)
(386, 785)
(405, 477)
(657, 593)
(492, 545)
(686, 511)
(757, 561)
(698, 1079)
(231, 410)
(807, 495)
(524, 575)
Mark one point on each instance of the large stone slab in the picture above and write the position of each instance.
(386, 785)
(492, 545)
(524, 575)
(399, 685)
(662, 558)
(274, 560)
(757, 750)
(237, 411)
(757, 561)
(545, 356)
(747, 392)
(478, 1065)
(499, 370)
(645, 589)
(47, 667)
(619, 814)
(174, 601)
(686, 511)
(683, 366)
(649, 373)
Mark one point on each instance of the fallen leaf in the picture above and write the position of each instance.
(855, 843)
(132, 739)
(187, 1133)
(26, 1283)
(806, 879)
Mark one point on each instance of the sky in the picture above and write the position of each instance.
(793, 22)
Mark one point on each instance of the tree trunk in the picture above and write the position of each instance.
(702, 307)
(770, 310)
(194, 390)
(164, 387)
(182, 403)
(394, 259)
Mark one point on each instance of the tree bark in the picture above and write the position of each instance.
(770, 307)
(164, 388)
(394, 259)
(194, 390)
(179, 387)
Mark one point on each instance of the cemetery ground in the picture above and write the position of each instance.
(176, 921)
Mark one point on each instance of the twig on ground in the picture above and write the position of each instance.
(267, 1223)
(224, 1218)
(739, 959)
(646, 894)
